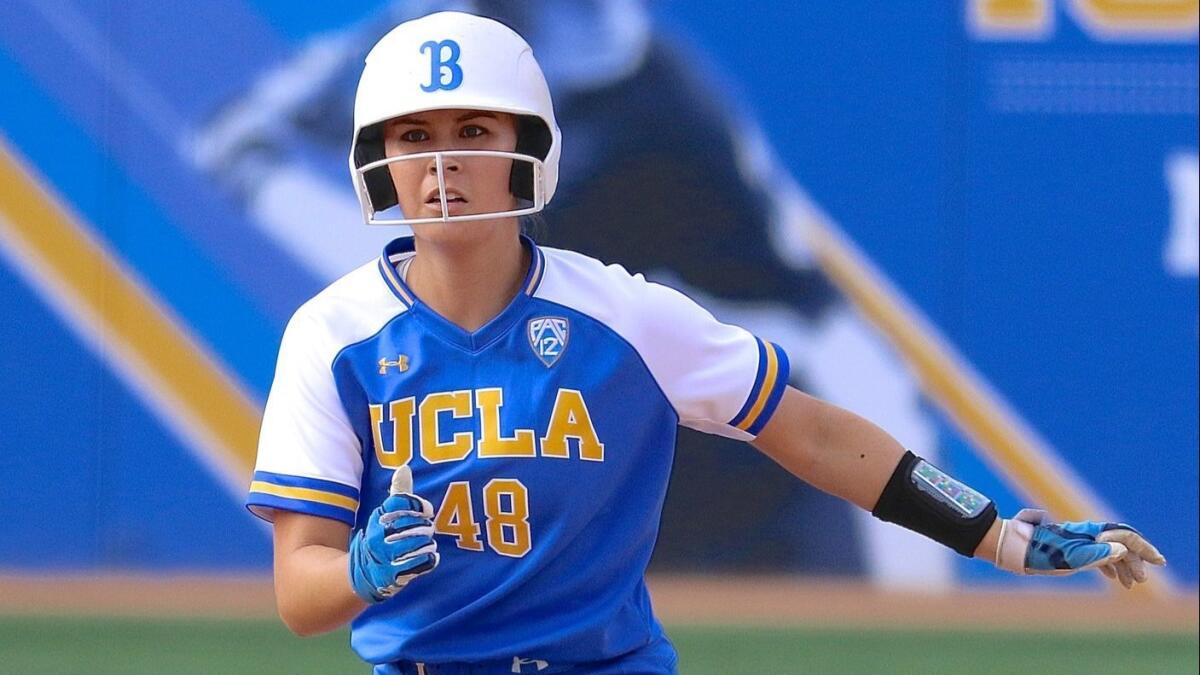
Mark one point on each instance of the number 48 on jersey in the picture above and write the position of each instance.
(506, 516)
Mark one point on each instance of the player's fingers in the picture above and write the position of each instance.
(410, 504)
(420, 548)
(1108, 571)
(1124, 575)
(1134, 542)
(1137, 567)
(426, 507)
(1094, 554)
(403, 543)
(401, 523)
(416, 564)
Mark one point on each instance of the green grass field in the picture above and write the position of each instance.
(33, 646)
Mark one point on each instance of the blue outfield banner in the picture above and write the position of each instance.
(1031, 185)
(1018, 179)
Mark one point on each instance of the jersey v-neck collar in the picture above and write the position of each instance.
(445, 329)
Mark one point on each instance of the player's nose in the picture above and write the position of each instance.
(449, 165)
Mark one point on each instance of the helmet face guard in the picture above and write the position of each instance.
(453, 60)
(371, 213)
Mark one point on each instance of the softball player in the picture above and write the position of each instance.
(630, 98)
(533, 395)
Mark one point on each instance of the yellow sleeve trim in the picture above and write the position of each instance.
(305, 494)
(764, 392)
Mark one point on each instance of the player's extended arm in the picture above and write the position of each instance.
(313, 592)
(847, 456)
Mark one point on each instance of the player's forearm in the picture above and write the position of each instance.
(846, 455)
(987, 547)
(830, 448)
(312, 590)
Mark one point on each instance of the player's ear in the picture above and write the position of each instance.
(370, 148)
(533, 138)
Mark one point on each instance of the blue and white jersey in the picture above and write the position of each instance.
(544, 440)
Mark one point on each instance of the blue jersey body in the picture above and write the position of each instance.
(582, 563)
(544, 440)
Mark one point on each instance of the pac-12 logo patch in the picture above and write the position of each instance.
(548, 337)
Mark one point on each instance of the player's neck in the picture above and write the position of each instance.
(469, 283)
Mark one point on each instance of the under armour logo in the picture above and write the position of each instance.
(440, 67)
(400, 364)
(536, 663)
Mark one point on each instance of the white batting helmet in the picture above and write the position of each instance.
(453, 60)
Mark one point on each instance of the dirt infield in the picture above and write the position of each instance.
(791, 600)
(773, 601)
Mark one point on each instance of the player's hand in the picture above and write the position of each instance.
(1030, 544)
(397, 544)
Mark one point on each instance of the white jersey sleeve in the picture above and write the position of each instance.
(719, 378)
(309, 457)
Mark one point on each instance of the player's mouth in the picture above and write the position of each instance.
(455, 201)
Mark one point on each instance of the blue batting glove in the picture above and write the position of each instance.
(1030, 544)
(397, 544)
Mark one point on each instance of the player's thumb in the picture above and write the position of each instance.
(1116, 551)
(402, 481)
(402, 498)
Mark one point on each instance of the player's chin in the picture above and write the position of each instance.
(451, 233)
(457, 232)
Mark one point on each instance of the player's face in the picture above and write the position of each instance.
(473, 184)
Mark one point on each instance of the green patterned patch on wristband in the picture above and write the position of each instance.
(942, 487)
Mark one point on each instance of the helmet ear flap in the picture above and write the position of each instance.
(534, 139)
(369, 148)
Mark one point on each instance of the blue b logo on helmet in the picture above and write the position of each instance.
(440, 67)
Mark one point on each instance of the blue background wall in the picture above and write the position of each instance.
(1034, 241)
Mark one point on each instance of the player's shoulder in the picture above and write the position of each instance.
(346, 311)
(575, 279)
(609, 292)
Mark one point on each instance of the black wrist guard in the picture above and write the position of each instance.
(922, 498)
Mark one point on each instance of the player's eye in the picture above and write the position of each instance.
(472, 131)
(414, 136)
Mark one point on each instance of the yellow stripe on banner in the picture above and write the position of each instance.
(1029, 466)
(1123, 13)
(768, 384)
(110, 304)
(305, 494)
(1011, 11)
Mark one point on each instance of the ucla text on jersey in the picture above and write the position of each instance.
(544, 440)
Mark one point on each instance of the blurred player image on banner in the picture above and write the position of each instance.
(662, 175)
(467, 444)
